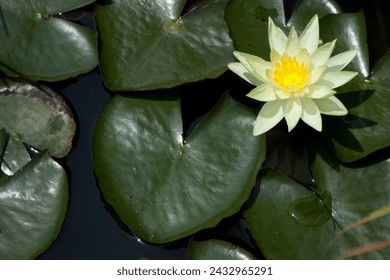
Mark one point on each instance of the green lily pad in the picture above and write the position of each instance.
(248, 21)
(308, 8)
(366, 128)
(37, 115)
(152, 44)
(355, 190)
(217, 250)
(39, 45)
(33, 203)
(165, 187)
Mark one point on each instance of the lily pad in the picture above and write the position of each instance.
(356, 191)
(154, 44)
(165, 187)
(33, 203)
(39, 45)
(37, 115)
(366, 128)
(215, 249)
(248, 21)
(308, 8)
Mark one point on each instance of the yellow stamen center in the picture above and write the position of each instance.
(290, 75)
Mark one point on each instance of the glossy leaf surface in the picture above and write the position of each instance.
(155, 44)
(38, 44)
(215, 249)
(37, 115)
(248, 21)
(366, 128)
(33, 202)
(162, 186)
(355, 190)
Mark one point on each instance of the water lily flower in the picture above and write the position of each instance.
(299, 80)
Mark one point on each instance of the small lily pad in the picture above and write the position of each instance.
(215, 249)
(38, 44)
(33, 203)
(37, 115)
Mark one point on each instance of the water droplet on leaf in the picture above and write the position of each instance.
(312, 211)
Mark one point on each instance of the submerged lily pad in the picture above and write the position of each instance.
(14, 157)
(33, 203)
(37, 115)
(215, 249)
(37, 44)
(165, 187)
(154, 44)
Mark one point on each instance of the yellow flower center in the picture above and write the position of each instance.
(290, 75)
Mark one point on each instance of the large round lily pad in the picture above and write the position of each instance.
(165, 187)
(36, 43)
(155, 44)
(37, 115)
(33, 203)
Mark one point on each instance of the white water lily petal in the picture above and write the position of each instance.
(316, 92)
(310, 35)
(243, 72)
(246, 60)
(339, 61)
(322, 54)
(263, 93)
(274, 56)
(336, 79)
(276, 37)
(331, 106)
(260, 66)
(281, 94)
(303, 57)
(270, 115)
(293, 46)
(293, 112)
(311, 114)
(316, 74)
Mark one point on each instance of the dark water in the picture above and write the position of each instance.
(91, 230)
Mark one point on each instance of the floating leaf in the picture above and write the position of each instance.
(39, 45)
(356, 190)
(247, 21)
(33, 202)
(308, 8)
(37, 115)
(162, 186)
(366, 128)
(217, 250)
(154, 44)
